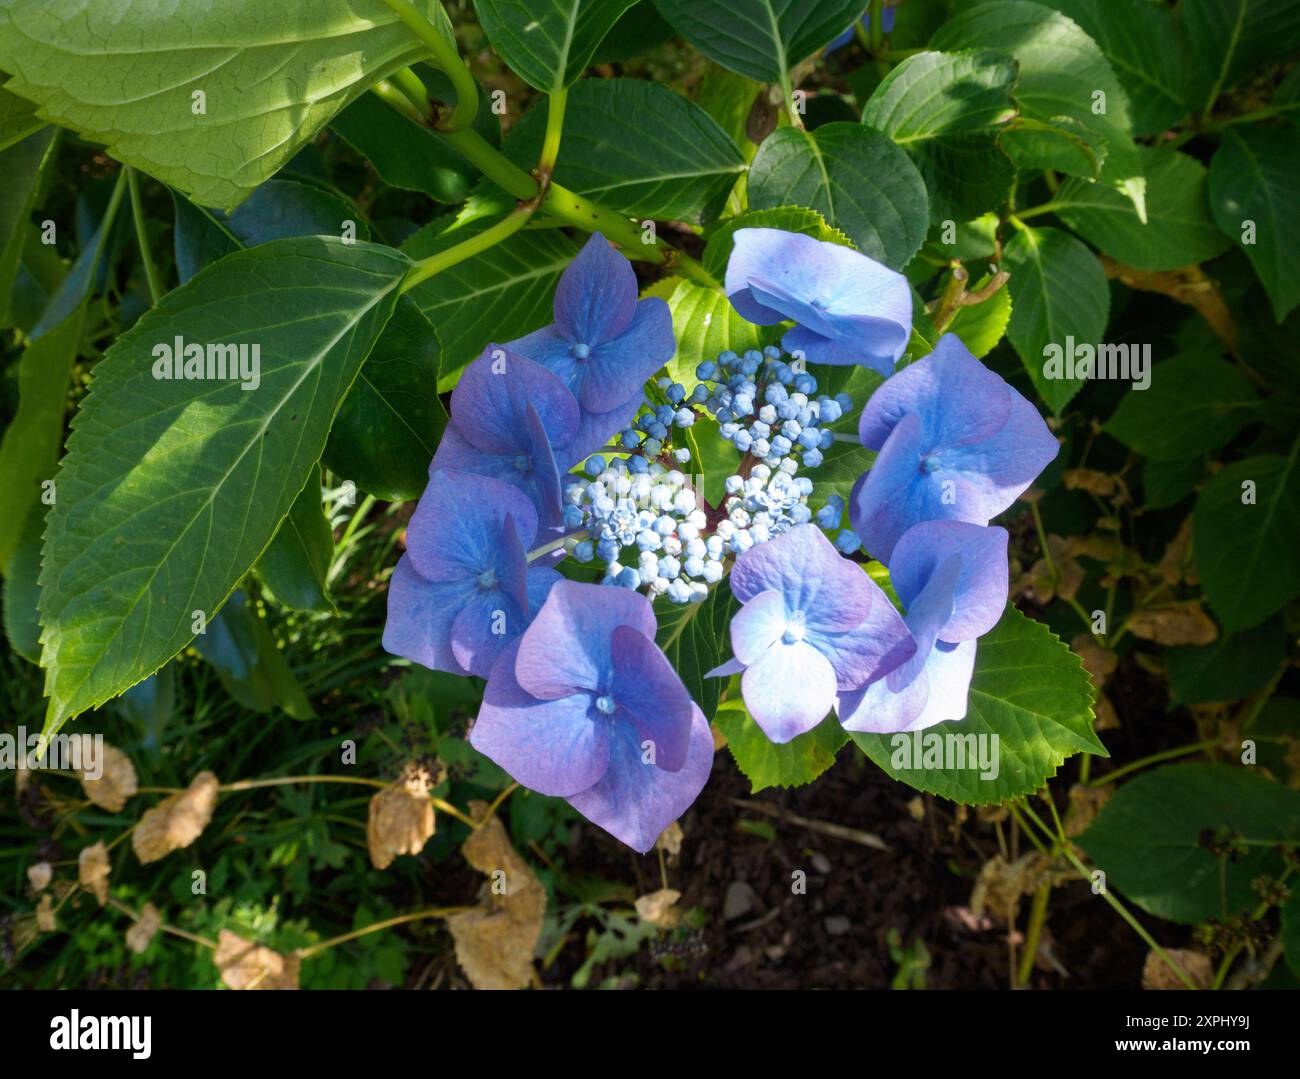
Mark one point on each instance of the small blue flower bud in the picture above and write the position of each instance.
(706, 371)
(595, 465)
(684, 417)
(812, 458)
(584, 551)
(675, 393)
(848, 541)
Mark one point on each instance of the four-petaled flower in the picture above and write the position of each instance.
(952, 579)
(813, 625)
(604, 343)
(463, 590)
(584, 706)
(513, 420)
(956, 443)
(849, 308)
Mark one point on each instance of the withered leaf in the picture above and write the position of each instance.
(143, 930)
(177, 821)
(401, 819)
(93, 869)
(1174, 624)
(39, 875)
(1090, 480)
(496, 941)
(116, 782)
(660, 908)
(245, 965)
(1157, 974)
(45, 914)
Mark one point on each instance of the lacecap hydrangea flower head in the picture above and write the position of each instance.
(572, 447)
(586, 707)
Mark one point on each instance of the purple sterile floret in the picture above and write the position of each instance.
(813, 625)
(585, 706)
(952, 578)
(463, 590)
(849, 309)
(955, 442)
(513, 420)
(604, 342)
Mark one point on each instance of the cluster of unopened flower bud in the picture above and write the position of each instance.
(640, 516)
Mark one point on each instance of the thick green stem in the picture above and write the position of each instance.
(426, 268)
(142, 237)
(877, 27)
(391, 96)
(446, 58)
(554, 129)
(492, 163)
(408, 82)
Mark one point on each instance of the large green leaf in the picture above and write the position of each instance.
(389, 426)
(766, 764)
(858, 179)
(1230, 39)
(1152, 839)
(944, 109)
(295, 567)
(636, 147)
(1255, 196)
(1231, 667)
(548, 42)
(759, 38)
(1194, 405)
(1062, 72)
(21, 169)
(1030, 691)
(981, 326)
(1058, 291)
(270, 76)
(18, 119)
(1155, 77)
(1178, 230)
(171, 489)
(1246, 550)
(1061, 143)
(496, 296)
(694, 638)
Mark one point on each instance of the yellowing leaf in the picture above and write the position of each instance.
(142, 932)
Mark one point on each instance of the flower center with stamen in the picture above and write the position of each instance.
(523, 462)
(930, 462)
(605, 704)
(794, 628)
(487, 579)
(581, 351)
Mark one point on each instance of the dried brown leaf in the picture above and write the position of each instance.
(245, 965)
(116, 782)
(1090, 480)
(401, 818)
(1177, 559)
(1174, 624)
(1157, 974)
(660, 908)
(45, 920)
(1100, 662)
(1001, 884)
(144, 929)
(496, 941)
(39, 875)
(93, 869)
(1085, 804)
(177, 821)
(670, 842)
